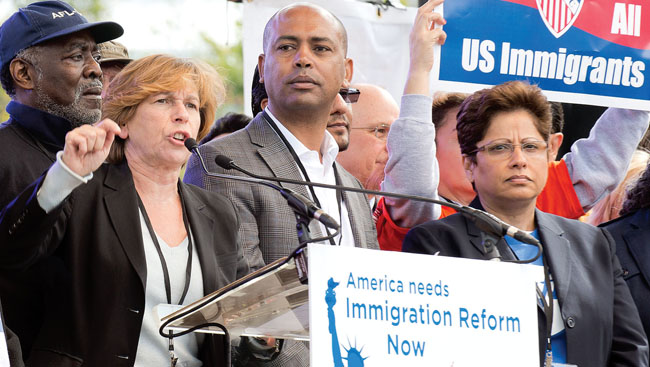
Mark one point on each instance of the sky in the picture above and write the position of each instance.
(175, 26)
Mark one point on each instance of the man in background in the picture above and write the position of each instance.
(372, 116)
(49, 68)
(115, 57)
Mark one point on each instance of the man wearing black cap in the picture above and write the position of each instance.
(48, 61)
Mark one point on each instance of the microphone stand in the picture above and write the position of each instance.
(486, 222)
(300, 210)
(492, 228)
(489, 243)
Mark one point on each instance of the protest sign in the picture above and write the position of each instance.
(579, 51)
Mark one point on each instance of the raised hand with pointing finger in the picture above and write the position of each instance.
(424, 36)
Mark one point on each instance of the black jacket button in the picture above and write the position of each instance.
(570, 322)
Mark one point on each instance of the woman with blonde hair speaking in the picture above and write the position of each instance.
(126, 236)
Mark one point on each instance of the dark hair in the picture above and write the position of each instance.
(557, 113)
(477, 110)
(7, 80)
(639, 196)
(258, 93)
(442, 103)
(229, 123)
(29, 54)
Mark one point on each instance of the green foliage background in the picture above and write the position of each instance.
(227, 60)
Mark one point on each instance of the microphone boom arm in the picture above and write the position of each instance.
(485, 221)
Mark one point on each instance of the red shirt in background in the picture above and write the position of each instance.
(558, 197)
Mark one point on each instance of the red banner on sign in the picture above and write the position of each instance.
(624, 22)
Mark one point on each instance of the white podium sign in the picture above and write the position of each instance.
(378, 308)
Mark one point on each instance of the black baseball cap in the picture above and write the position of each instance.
(46, 20)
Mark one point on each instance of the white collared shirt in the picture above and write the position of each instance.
(152, 347)
(322, 173)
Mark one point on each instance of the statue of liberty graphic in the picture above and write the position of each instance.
(354, 357)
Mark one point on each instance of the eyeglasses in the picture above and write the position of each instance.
(381, 130)
(503, 149)
(350, 95)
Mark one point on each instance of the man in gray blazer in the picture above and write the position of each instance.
(303, 67)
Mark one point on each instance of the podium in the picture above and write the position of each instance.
(270, 302)
(382, 308)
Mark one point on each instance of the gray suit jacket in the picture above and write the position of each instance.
(601, 322)
(268, 225)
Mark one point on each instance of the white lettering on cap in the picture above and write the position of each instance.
(64, 13)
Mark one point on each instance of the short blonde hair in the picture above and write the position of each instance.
(609, 207)
(160, 73)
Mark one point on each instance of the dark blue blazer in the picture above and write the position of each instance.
(632, 235)
(601, 321)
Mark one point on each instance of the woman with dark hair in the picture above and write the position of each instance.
(631, 232)
(124, 237)
(504, 138)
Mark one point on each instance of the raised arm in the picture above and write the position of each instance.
(412, 167)
(598, 163)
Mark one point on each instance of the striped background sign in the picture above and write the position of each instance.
(559, 15)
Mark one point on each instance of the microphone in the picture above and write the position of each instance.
(296, 200)
(191, 144)
(482, 218)
(490, 224)
(227, 163)
(484, 221)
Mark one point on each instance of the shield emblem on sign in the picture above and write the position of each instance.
(559, 15)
